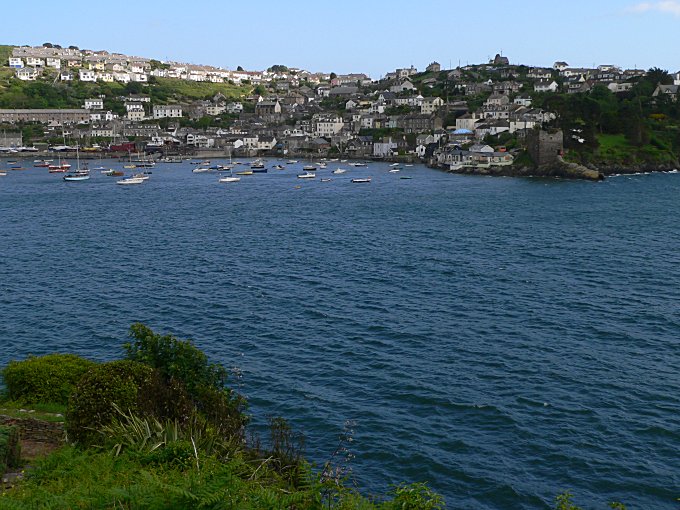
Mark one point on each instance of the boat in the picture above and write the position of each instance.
(245, 172)
(130, 180)
(365, 179)
(3, 174)
(259, 170)
(113, 173)
(142, 175)
(408, 165)
(279, 167)
(358, 164)
(339, 171)
(322, 165)
(405, 177)
(79, 174)
(394, 165)
(309, 168)
(12, 162)
(100, 168)
(257, 164)
(129, 166)
(394, 170)
(201, 170)
(229, 179)
(60, 167)
(307, 175)
(16, 167)
(326, 179)
(291, 161)
(39, 163)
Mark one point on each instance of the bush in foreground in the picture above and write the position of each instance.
(44, 379)
(124, 385)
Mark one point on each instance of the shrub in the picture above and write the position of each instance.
(92, 403)
(180, 362)
(174, 358)
(45, 379)
(10, 449)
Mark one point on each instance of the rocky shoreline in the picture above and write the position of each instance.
(565, 170)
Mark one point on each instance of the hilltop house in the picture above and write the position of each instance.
(546, 86)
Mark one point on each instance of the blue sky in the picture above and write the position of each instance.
(358, 36)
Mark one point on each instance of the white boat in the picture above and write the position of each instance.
(201, 170)
(339, 171)
(309, 168)
(78, 175)
(358, 164)
(143, 176)
(408, 166)
(130, 180)
(229, 179)
(3, 174)
(322, 165)
(307, 175)
(326, 179)
(257, 164)
(292, 161)
(394, 165)
(394, 170)
(365, 179)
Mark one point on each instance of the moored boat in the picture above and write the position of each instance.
(245, 172)
(229, 179)
(130, 180)
(307, 175)
(360, 180)
(339, 171)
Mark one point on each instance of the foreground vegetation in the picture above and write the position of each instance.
(160, 429)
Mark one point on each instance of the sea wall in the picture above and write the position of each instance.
(36, 430)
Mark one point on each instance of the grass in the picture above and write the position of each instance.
(615, 149)
(45, 412)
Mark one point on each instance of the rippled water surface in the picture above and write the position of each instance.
(504, 339)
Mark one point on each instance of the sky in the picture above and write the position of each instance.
(370, 36)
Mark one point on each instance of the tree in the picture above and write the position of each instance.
(658, 76)
(239, 68)
(333, 76)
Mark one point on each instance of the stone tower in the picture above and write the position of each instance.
(545, 146)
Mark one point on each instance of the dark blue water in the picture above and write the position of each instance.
(503, 339)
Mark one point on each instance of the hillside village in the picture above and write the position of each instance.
(468, 117)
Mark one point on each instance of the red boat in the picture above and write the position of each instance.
(55, 169)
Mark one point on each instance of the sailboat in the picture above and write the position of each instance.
(61, 167)
(229, 178)
(79, 174)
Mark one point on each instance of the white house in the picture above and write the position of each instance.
(87, 75)
(266, 143)
(53, 62)
(163, 111)
(326, 125)
(66, 76)
(16, 63)
(94, 104)
(26, 74)
(546, 86)
(401, 87)
(382, 149)
(35, 62)
(431, 105)
(136, 114)
(234, 108)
